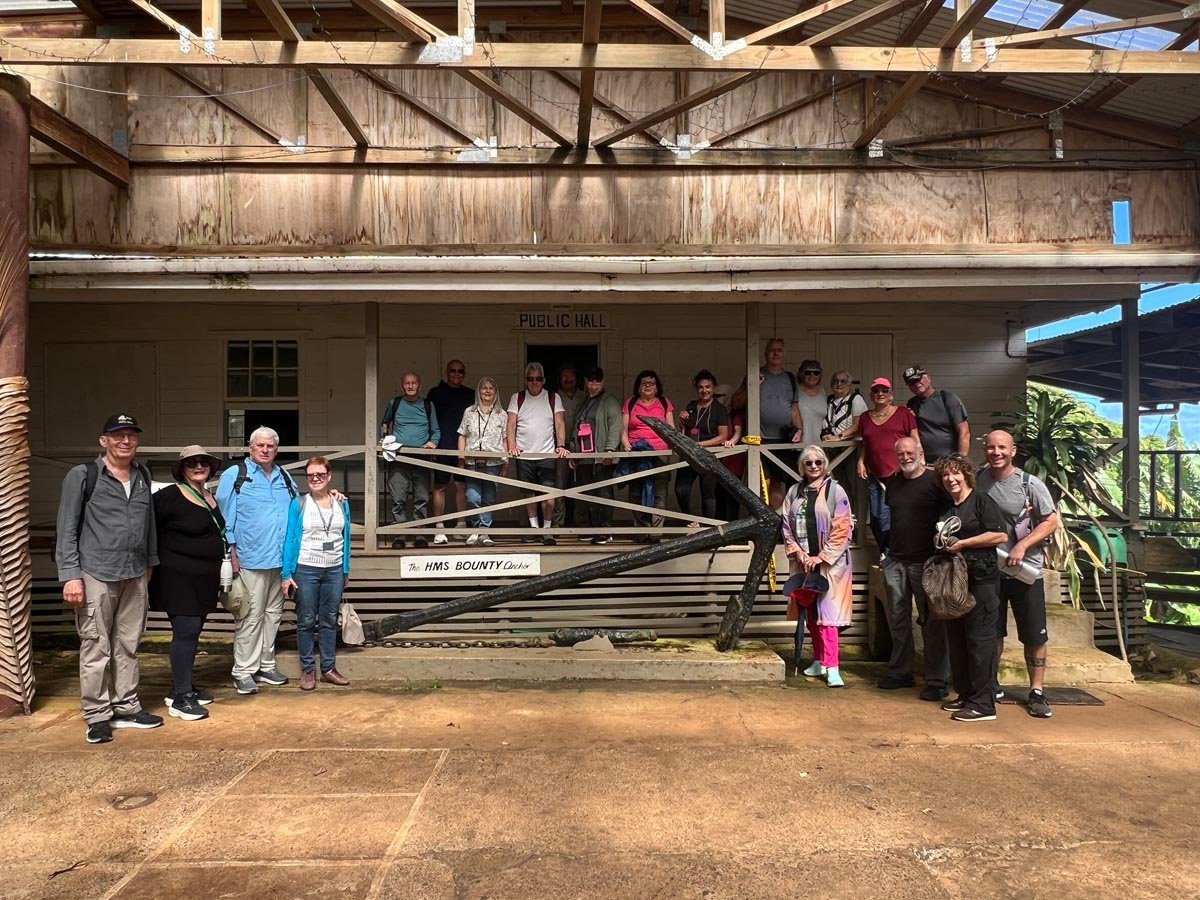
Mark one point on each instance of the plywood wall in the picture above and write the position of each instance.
(198, 206)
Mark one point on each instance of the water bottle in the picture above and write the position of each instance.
(1026, 572)
(226, 573)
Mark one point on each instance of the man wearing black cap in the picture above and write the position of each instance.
(105, 551)
(941, 417)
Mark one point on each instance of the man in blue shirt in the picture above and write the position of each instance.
(410, 419)
(254, 497)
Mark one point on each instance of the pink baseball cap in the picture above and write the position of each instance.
(881, 382)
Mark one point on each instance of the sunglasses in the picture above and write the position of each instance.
(457, 371)
(535, 378)
(196, 463)
(841, 381)
(881, 390)
(316, 476)
(812, 372)
(813, 464)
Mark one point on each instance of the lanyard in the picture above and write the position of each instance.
(208, 509)
(320, 517)
(483, 423)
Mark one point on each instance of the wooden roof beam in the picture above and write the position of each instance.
(587, 81)
(861, 22)
(420, 105)
(1118, 87)
(343, 112)
(782, 111)
(800, 18)
(51, 127)
(282, 25)
(1078, 31)
(654, 14)
(210, 19)
(916, 28)
(608, 106)
(691, 101)
(161, 17)
(966, 21)
(400, 19)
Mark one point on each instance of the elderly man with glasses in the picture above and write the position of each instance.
(254, 497)
(536, 426)
(106, 548)
(941, 416)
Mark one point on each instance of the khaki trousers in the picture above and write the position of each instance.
(254, 640)
(110, 624)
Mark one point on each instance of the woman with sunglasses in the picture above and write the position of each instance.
(810, 399)
(880, 427)
(316, 564)
(184, 584)
(816, 535)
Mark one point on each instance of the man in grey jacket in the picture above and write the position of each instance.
(106, 550)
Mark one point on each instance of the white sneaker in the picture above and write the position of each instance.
(440, 539)
(473, 540)
(486, 540)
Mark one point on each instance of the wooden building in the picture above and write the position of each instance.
(268, 211)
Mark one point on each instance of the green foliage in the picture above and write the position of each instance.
(1060, 439)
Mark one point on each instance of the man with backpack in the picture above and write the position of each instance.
(410, 419)
(1029, 513)
(105, 550)
(779, 414)
(254, 497)
(941, 417)
(536, 426)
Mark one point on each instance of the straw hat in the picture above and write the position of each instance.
(194, 451)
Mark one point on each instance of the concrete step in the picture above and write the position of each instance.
(1066, 626)
(667, 660)
(1066, 665)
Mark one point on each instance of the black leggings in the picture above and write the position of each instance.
(684, 479)
(185, 638)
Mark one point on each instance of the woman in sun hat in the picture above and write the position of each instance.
(185, 583)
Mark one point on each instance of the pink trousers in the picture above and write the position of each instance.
(824, 640)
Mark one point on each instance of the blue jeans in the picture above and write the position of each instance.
(881, 516)
(318, 594)
(481, 493)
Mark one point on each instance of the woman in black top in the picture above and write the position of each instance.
(706, 422)
(971, 640)
(191, 546)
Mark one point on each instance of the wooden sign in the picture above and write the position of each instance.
(558, 320)
(471, 565)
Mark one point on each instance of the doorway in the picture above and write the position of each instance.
(240, 424)
(556, 357)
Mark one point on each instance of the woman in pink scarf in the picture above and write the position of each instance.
(816, 531)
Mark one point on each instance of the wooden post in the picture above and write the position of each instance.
(1130, 405)
(753, 390)
(16, 644)
(210, 20)
(371, 427)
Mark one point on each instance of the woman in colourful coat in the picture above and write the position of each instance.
(816, 531)
(316, 563)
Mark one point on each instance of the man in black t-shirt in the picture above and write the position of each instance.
(916, 500)
(450, 399)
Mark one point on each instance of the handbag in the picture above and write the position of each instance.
(236, 599)
(944, 579)
(351, 625)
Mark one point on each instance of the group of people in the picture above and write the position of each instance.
(996, 508)
(123, 548)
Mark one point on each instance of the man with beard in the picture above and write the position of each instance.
(916, 501)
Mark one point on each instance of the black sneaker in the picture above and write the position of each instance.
(188, 708)
(999, 696)
(529, 540)
(934, 694)
(1037, 705)
(549, 541)
(606, 539)
(954, 705)
(99, 732)
(895, 684)
(397, 543)
(420, 542)
(203, 697)
(139, 719)
(972, 715)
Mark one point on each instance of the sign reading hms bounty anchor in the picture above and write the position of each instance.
(472, 565)
(562, 320)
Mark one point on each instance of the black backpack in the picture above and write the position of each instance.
(243, 475)
(92, 476)
(389, 414)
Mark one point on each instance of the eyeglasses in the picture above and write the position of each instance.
(316, 476)
(457, 371)
(535, 378)
(647, 384)
(813, 464)
(841, 381)
(812, 372)
(719, 396)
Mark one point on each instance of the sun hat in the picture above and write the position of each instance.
(389, 445)
(194, 451)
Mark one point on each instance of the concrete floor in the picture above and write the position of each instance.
(602, 791)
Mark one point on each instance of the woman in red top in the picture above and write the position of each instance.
(647, 399)
(880, 427)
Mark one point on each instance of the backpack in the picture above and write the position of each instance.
(243, 475)
(551, 396)
(93, 476)
(662, 401)
(389, 414)
(944, 579)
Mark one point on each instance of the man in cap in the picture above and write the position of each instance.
(105, 551)
(941, 417)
